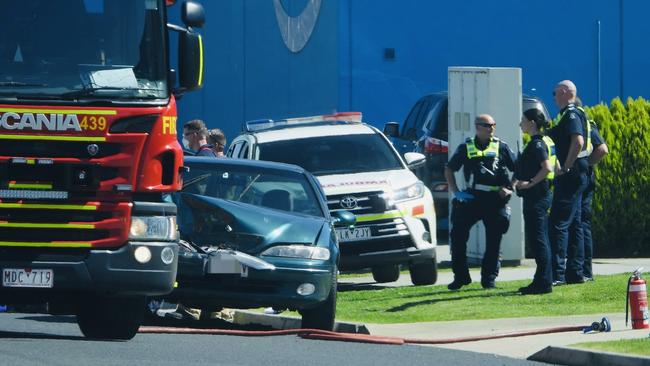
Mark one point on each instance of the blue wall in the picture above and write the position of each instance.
(251, 74)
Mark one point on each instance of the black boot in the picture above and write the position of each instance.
(535, 289)
(457, 283)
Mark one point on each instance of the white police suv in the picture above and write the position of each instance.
(360, 172)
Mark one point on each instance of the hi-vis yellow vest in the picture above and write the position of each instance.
(492, 150)
(552, 156)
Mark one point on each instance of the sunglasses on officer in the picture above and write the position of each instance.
(486, 124)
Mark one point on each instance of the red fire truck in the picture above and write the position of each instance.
(89, 154)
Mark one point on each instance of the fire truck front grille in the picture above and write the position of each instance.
(51, 235)
(39, 216)
(53, 225)
(54, 149)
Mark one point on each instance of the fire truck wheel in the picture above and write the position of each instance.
(385, 273)
(102, 317)
(425, 273)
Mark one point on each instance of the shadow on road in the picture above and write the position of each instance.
(29, 335)
(51, 318)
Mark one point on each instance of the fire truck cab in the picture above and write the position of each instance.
(89, 155)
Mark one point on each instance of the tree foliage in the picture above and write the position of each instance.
(621, 205)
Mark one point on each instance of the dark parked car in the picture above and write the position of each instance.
(425, 130)
(257, 234)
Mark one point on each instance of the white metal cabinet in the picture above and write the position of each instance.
(497, 92)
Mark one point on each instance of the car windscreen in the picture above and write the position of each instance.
(324, 155)
(290, 192)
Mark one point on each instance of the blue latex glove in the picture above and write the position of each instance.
(462, 196)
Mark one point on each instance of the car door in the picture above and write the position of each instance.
(241, 148)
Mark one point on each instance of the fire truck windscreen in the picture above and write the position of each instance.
(72, 49)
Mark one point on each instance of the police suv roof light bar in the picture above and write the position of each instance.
(267, 124)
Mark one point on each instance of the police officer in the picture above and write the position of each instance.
(484, 160)
(599, 150)
(535, 170)
(571, 137)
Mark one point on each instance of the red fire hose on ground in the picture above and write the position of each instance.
(604, 325)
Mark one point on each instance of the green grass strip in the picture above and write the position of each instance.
(625, 346)
(435, 303)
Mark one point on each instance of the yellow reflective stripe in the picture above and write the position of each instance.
(100, 112)
(52, 138)
(200, 60)
(47, 226)
(390, 215)
(552, 157)
(48, 207)
(31, 185)
(68, 244)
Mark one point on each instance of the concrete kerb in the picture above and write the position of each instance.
(550, 354)
(579, 357)
(276, 321)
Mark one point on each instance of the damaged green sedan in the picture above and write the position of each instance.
(257, 234)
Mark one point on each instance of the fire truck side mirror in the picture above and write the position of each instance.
(190, 61)
(193, 14)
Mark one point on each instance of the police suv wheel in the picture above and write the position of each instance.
(385, 273)
(425, 273)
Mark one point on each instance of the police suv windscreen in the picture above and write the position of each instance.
(82, 49)
(326, 155)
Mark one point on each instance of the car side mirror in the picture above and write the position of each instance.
(414, 160)
(344, 218)
(391, 129)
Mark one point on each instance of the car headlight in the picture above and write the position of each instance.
(408, 193)
(153, 228)
(298, 251)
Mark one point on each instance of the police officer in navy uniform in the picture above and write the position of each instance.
(535, 171)
(485, 161)
(572, 137)
(599, 150)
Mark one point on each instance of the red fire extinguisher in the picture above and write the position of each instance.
(637, 299)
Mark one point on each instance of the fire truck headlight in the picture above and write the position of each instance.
(142, 254)
(153, 228)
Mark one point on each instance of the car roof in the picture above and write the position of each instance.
(298, 132)
(259, 164)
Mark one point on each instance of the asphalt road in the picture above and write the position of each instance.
(35, 339)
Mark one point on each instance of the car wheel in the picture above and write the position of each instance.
(385, 273)
(323, 315)
(102, 317)
(424, 273)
